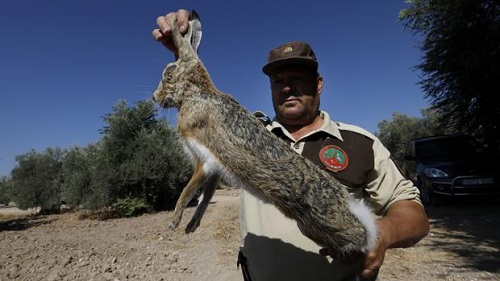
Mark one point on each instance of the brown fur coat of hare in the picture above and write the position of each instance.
(226, 142)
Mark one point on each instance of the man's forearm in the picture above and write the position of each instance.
(404, 224)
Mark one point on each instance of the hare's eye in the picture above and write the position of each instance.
(171, 67)
(167, 74)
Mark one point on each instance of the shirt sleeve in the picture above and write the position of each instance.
(388, 185)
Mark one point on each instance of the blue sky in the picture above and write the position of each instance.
(63, 64)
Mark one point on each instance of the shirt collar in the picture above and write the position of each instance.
(328, 127)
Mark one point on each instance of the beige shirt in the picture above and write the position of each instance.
(273, 244)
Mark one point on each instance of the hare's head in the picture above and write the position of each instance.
(165, 94)
(182, 76)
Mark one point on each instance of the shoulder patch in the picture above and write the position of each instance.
(334, 158)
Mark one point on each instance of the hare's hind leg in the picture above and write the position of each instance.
(194, 184)
(209, 188)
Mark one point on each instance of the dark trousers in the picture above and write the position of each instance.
(242, 261)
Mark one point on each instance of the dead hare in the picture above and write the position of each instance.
(226, 142)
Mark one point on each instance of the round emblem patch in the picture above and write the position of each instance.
(334, 158)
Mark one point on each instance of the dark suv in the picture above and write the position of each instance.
(450, 166)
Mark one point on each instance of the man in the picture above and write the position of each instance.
(274, 248)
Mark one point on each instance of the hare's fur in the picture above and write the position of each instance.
(226, 142)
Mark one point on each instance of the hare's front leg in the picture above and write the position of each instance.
(194, 184)
(208, 188)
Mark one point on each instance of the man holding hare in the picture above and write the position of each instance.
(274, 248)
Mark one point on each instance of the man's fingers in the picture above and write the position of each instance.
(163, 33)
(157, 35)
(163, 22)
(183, 20)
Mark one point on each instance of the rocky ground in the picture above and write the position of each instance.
(464, 244)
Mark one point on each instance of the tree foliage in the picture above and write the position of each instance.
(137, 165)
(37, 179)
(140, 157)
(460, 62)
(78, 170)
(5, 191)
(395, 134)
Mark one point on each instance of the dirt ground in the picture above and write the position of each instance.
(464, 244)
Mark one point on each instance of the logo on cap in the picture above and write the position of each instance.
(334, 158)
(287, 50)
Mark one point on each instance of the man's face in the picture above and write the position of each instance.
(295, 92)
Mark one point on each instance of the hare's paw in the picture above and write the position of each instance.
(192, 225)
(173, 225)
(174, 222)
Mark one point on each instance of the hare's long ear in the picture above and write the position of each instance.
(183, 43)
(194, 31)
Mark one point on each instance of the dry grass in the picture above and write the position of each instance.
(227, 227)
(13, 213)
(12, 216)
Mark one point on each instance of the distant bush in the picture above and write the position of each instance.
(37, 179)
(5, 191)
(129, 207)
(138, 156)
(137, 165)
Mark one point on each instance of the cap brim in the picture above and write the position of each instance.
(270, 67)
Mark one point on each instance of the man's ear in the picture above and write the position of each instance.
(319, 83)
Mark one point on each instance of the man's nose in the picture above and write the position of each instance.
(288, 89)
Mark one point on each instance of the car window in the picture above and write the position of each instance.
(452, 148)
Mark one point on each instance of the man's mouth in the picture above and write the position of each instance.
(290, 100)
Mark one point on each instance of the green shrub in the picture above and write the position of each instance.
(130, 207)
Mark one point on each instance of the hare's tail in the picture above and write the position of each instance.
(363, 213)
